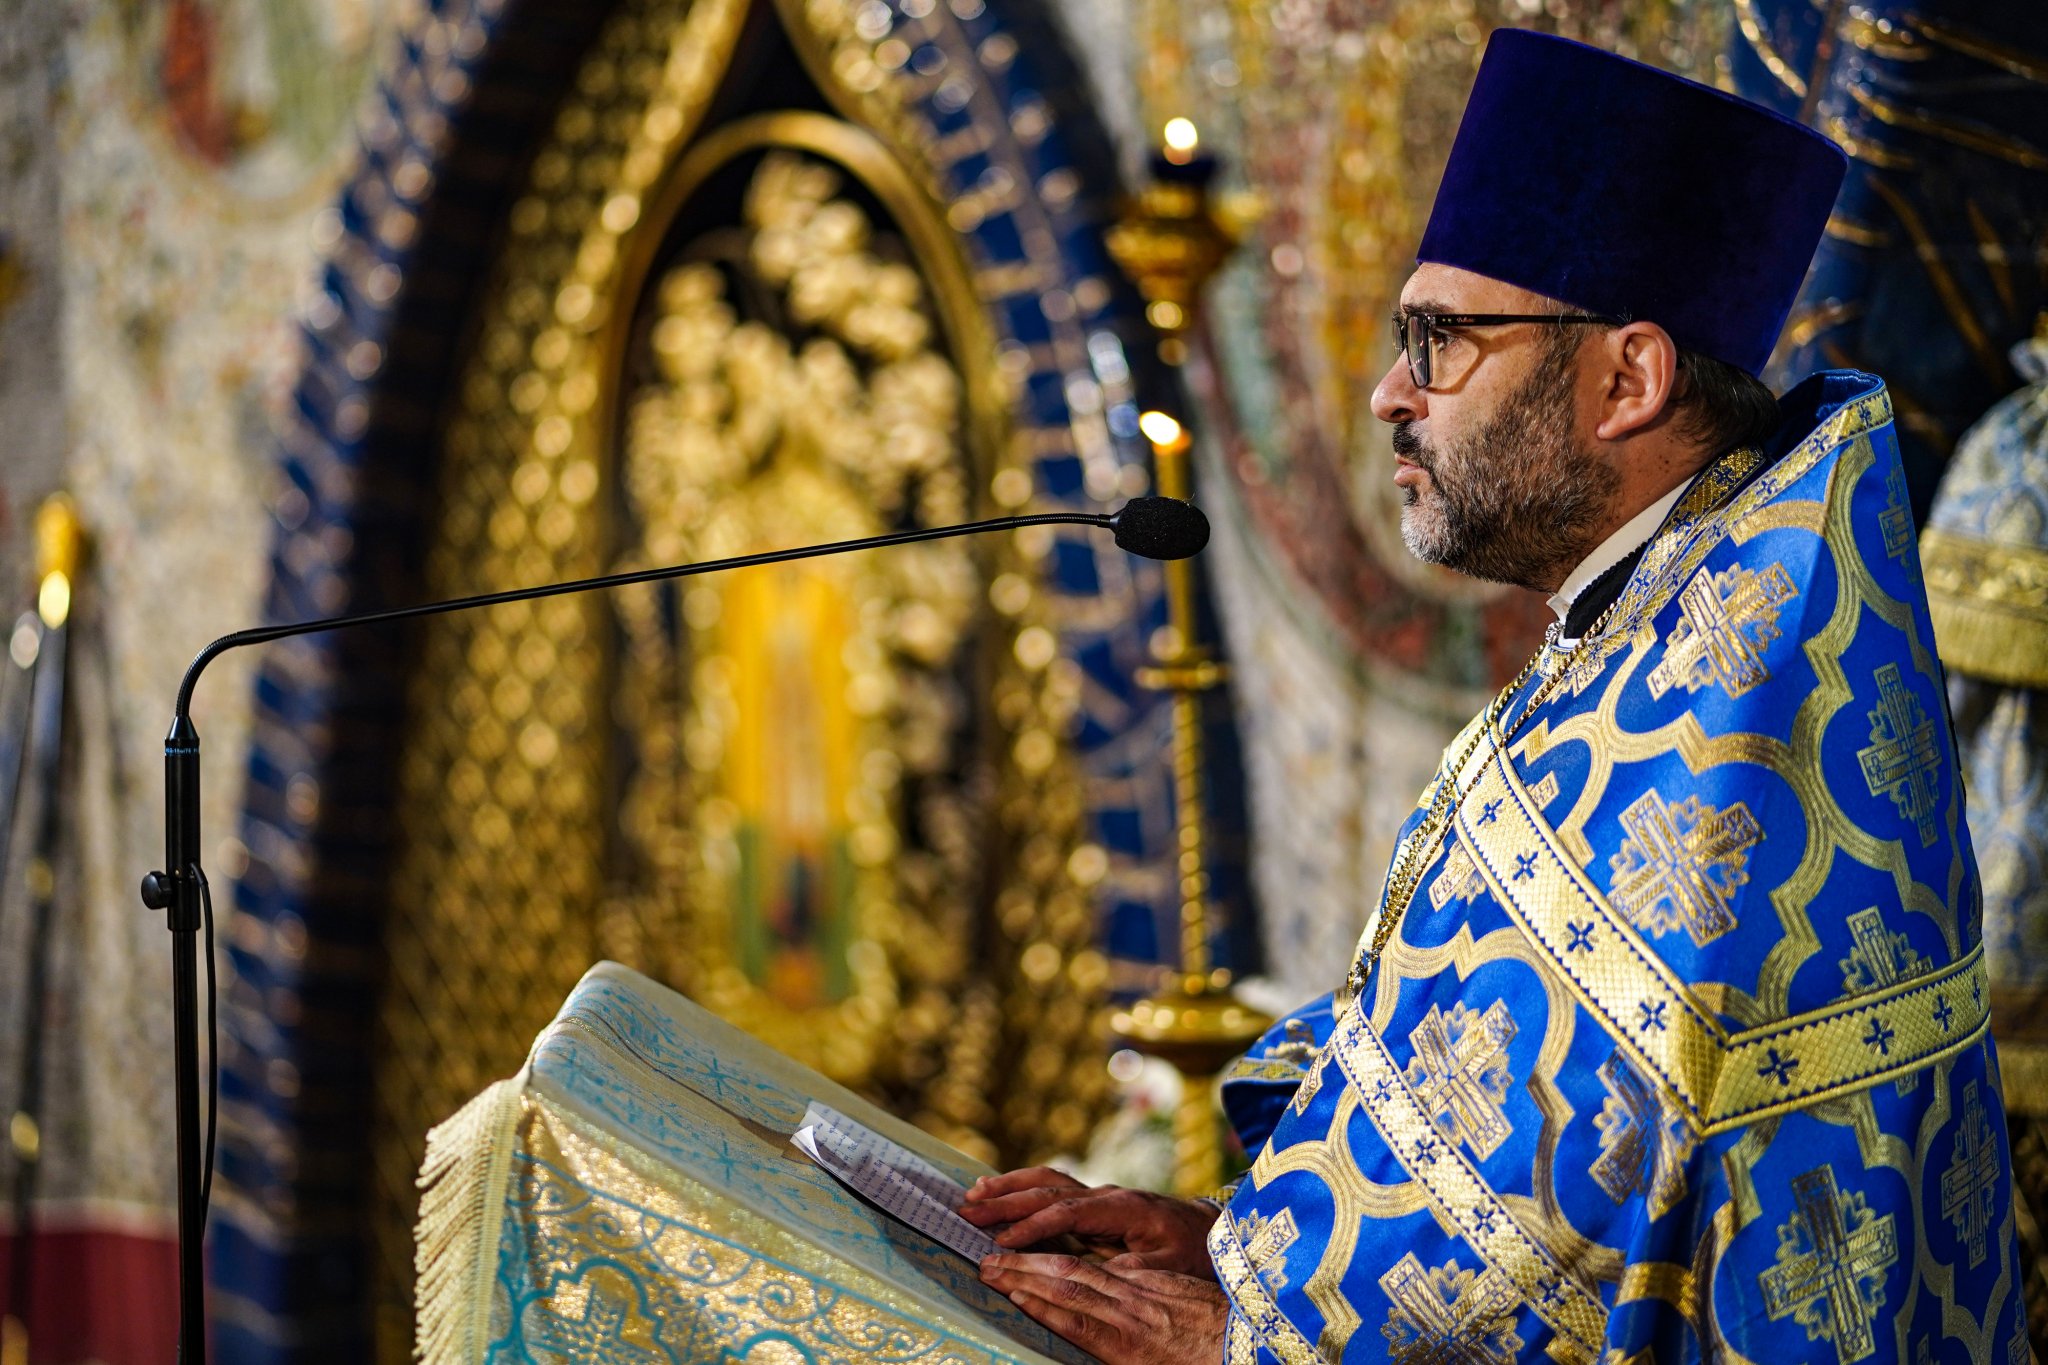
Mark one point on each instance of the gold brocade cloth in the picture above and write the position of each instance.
(631, 1196)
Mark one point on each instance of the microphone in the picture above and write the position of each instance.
(1160, 528)
(1154, 527)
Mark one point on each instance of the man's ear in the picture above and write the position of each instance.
(1638, 377)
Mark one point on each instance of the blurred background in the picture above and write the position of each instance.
(309, 308)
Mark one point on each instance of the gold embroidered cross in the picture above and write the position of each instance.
(1449, 1316)
(1681, 865)
(1902, 758)
(1644, 1140)
(1879, 958)
(1969, 1186)
(1460, 878)
(1832, 1255)
(1460, 1073)
(1896, 521)
(1266, 1241)
(1724, 622)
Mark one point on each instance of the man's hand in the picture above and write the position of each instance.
(1149, 1231)
(1119, 1313)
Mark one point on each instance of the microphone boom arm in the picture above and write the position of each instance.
(265, 634)
(1158, 528)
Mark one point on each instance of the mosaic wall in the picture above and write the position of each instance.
(31, 257)
(167, 170)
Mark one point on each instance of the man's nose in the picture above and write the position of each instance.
(1395, 398)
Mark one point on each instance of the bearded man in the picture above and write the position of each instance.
(1667, 1040)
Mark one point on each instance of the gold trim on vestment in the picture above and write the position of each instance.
(1672, 1283)
(1254, 1302)
(1249, 1068)
(1720, 498)
(1240, 1347)
(1462, 1197)
(1721, 1079)
(1990, 606)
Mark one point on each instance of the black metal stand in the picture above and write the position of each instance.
(178, 893)
(43, 746)
(1159, 528)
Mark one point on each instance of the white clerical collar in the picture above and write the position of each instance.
(1613, 550)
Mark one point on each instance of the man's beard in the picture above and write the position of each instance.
(1517, 501)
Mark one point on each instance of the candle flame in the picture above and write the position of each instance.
(1159, 428)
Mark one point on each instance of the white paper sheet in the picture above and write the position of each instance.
(893, 1177)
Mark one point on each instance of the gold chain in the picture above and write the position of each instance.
(1420, 848)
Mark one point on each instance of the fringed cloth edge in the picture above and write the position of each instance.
(462, 1204)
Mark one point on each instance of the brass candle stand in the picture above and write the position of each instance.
(1169, 237)
(1198, 1024)
(1170, 241)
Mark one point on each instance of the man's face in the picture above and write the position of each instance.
(1497, 479)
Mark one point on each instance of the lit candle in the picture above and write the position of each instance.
(1160, 429)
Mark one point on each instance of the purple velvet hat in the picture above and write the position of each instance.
(1618, 188)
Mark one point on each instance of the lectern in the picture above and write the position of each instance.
(631, 1195)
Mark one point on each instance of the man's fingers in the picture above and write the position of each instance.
(1009, 1208)
(1020, 1267)
(1121, 1313)
(1089, 1333)
(1140, 1272)
(1089, 1214)
(1064, 1279)
(1036, 1225)
(1072, 1286)
(1135, 1260)
(1009, 1182)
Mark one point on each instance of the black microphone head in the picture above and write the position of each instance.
(1160, 528)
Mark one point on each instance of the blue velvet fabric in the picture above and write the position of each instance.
(1619, 188)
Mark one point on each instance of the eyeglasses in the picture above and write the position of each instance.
(1415, 334)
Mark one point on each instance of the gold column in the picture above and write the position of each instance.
(1170, 242)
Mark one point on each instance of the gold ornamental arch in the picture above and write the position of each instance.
(869, 161)
(862, 878)
(794, 713)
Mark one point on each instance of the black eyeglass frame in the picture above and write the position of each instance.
(1416, 343)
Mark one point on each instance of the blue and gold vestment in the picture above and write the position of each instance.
(1680, 1049)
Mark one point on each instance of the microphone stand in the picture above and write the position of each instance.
(1160, 528)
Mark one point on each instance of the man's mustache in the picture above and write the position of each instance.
(1409, 447)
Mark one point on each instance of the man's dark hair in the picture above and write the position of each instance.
(1715, 403)
(1720, 406)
